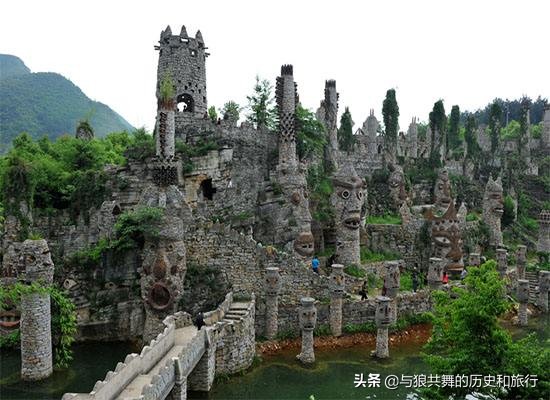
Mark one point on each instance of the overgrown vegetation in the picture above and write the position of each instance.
(63, 318)
(261, 108)
(354, 270)
(391, 219)
(320, 189)
(467, 339)
(310, 137)
(368, 255)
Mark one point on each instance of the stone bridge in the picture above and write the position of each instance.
(183, 357)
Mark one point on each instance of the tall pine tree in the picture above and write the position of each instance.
(346, 139)
(495, 115)
(454, 127)
(390, 112)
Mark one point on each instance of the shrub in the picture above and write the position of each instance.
(354, 270)
(391, 219)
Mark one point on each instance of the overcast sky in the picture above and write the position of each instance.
(465, 52)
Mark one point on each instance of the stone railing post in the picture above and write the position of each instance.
(435, 274)
(392, 284)
(521, 261)
(36, 336)
(272, 288)
(383, 320)
(337, 286)
(474, 260)
(502, 261)
(544, 287)
(179, 391)
(308, 320)
(523, 299)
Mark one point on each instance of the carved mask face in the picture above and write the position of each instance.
(493, 198)
(308, 317)
(337, 281)
(304, 245)
(272, 282)
(383, 315)
(442, 191)
(349, 200)
(448, 244)
(397, 187)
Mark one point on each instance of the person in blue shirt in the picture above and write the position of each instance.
(315, 264)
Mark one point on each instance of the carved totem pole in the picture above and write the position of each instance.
(308, 320)
(272, 288)
(493, 208)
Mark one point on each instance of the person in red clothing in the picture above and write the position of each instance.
(445, 279)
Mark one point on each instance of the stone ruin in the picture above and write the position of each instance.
(328, 115)
(493, 208)
(543, 243)
(347, 200)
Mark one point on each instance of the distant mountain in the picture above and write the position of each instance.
(46, 103)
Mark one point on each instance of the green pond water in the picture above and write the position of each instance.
(276, 377)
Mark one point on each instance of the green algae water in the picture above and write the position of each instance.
(90, 364)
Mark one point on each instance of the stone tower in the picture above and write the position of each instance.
(412, 136)
(493, 208)
(328, 114)
(545, 137)
(182, 58)
(287, 100)
(370, 126)
(36, 335)
(543, 243)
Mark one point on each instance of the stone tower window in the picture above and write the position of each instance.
(186, 103)
(193, 53)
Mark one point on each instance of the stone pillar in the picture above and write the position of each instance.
(202, 376)
(475, 259)
(435, 274)
(523, 299)
(272, 288)
(521, 260)
(544, 287)
(392, 284)
(179, 391)
(543, 242)
(308, 319)
(502, 261)
(383, 321)
(286, 95)
(337, 287)
(328, 115)
(493, 208)
(36, 336)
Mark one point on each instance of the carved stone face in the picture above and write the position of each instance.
(502, 259)
(383, 313)
(447, 238)
(36, 258)
(272, 281)
(337, 280)
(304, 244)
(396, 183)
(349, 200)
(442, 190)
(391, 278)
(308, 314)
(435, 270)
(493, 198)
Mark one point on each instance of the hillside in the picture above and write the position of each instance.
(46, 103)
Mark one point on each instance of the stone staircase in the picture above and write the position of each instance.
(237, 311)
(533, 278)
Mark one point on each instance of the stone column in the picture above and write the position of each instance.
(383, 321)
(179, 391)
(286, 96)
(544, 287)
(502, 261)
(272, 288)
(521, 260)
(543, 242)
(435, 274)
(392, 283)
(523, 299)
(337, 287)
(308, 319)
(474, 260)
(36, 336)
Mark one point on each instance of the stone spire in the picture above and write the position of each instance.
(412, 135)
(370, 127)
(493, 208)
(287, 100)
(328, 115)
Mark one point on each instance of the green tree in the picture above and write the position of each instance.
(310, 138)
(454, 129)
(467, 338)
(212, 114)
(390, 112)
(346, 139)
(472, 146)
(231, 111)
(261, 107)
(509, 214)
(523, 138)
(495, 115)
(438, 122)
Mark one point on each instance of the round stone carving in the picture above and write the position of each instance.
(160, 296)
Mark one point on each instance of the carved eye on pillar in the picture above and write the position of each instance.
(170, 247)
(345, 194)
(359, 195)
